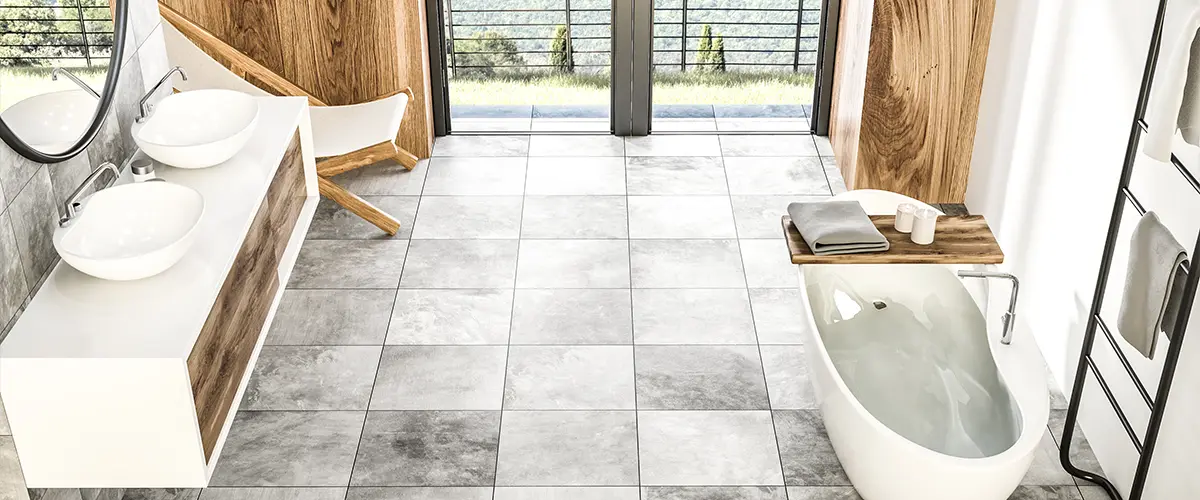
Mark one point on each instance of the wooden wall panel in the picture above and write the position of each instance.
(850, 71)
(339, 51)
(915, 131)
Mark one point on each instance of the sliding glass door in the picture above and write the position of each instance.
(629, 67)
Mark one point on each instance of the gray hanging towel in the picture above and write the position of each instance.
(836, 227)
(1150, 301)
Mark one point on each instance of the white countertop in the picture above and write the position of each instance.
(75, 315)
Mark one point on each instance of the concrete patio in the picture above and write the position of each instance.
(666, 118)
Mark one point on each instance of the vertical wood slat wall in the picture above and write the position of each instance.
(340, 51)
(907, 84)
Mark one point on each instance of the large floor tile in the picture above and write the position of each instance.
(759, 216)
(672, 145)
(568, 448)
(808, 456)
(446, 317)
(675, 175)
(156, 493)
(569, 377)
(420, 493)
(440, 378)
(481, 145)
(1027, 492)
(686, 264)
(700, 378)
(349, 264)
(273, 494)
(460, 264)
(768, 145)
(681, 316)
(768, 264)
(714, 493)
(567, 493)
(685, 125)
(573, 264)
(386, 178)
(822, 493)
(763, 125)
(475, 176)
(1081, 452)
(575, 217)
(572, 317)
(428, 448)
(776, 176)
(289, 448)
(576, 145)
(1046, 469)
(681, 217)
(333, 222)
(778, 315)
(576, 176)
(12, 483)
(708, 448)
(312, 378)
(787, 377)
(468, 217)
(331, 317)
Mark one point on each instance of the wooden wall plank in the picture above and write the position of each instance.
(850, 73)
(920, 95)
(416, 131)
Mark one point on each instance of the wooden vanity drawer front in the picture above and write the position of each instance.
(221, 356)
(287, 195)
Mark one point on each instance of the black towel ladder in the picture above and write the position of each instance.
(1158, 402)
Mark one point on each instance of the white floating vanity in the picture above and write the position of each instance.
(134, 384)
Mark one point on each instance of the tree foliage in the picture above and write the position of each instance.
(718, 56)
(562, 55)
(486, 54)
(704, 52)
(40, 32)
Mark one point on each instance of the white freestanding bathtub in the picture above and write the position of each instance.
(918, 395)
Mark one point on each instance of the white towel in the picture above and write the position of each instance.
(1151, 297)
(1175, 95)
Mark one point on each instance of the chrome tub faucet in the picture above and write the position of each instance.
(1009, 319)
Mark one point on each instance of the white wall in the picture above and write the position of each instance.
(1058, 100)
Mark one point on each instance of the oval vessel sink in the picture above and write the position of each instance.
(53, 121)
(199, 128)
(131, 231)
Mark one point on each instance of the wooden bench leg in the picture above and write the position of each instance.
(358, 206)
(369, 155)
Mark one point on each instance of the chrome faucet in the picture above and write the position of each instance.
(71, 207)
(144, 108)
(1009, 319)
(71, 76)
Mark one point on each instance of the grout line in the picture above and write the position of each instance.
(758, 345)
(637, 430)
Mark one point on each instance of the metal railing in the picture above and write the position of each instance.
(759, 35)
(46, 33)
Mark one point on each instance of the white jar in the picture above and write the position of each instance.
(924, 224)
(905, 213)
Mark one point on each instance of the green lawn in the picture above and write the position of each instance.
(669, 88)
(17, 83)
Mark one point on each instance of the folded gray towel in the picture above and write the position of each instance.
(1148, 303)
(836, 227)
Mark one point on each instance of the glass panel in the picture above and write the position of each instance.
(528, 65)
(734, 65)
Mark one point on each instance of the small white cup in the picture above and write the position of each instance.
(924, 223)
(905, 212)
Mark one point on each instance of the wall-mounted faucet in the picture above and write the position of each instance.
(71, 76)
(1009, 319)
(146, 108)
(71, 207)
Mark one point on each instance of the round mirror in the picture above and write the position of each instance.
(59, 64)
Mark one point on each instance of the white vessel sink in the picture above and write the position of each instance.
(51, 122)
(198, 129)
(131, 231)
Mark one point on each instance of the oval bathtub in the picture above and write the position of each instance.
(919, 397)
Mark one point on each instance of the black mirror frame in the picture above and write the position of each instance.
(110, 87)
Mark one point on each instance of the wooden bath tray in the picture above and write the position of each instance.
(960, 239)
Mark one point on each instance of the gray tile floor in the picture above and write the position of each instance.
(561, 318)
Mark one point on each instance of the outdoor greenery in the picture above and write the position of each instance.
(41, 32)
(711, 54)
(734, 87)
(487, 54)
(562, 56)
